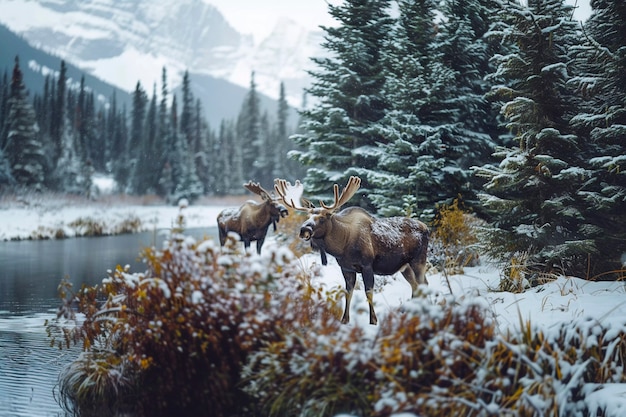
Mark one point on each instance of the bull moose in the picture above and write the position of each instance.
(252, 219)
(361, 242)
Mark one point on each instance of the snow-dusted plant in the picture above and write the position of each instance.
(174, 338)
(438, 358)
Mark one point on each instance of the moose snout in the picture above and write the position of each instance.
(306, 232)
(284, 212)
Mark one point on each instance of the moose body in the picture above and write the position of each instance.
(252, 219)
(367, 245)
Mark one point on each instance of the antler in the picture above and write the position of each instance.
(291, 193)
(256, 188)
(353, 185)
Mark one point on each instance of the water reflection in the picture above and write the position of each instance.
(30, 272)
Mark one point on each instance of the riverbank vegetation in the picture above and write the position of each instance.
(212, 331)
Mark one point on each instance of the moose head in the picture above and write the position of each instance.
(360, 242)
(251, 220)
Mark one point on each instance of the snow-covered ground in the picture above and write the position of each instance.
(547, 306)
(22, 222)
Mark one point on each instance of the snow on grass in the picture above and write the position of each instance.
(25, 219)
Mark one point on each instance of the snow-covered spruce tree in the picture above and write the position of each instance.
(145, 173)
(136, 182)
(439, 123)
(253, 151)
(184, 181)
(165, 173)
(412, 149)
(600, 64)
(23, 149)
(5, 172)
(532, 192)
(348, 96)
(59, 114)
(286, 167)
(4, 98)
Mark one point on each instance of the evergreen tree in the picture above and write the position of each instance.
(284, 166)
(601, 80)
(118, 164)
(228, 160)
(201, 146)
(146, 173)
(57, 119)
(6, 178)
(253, 153)
(136, 146)
(187, 127)
(281, 140)
(184, 181)
(348, 86)
(165, 176)
(5, 169)
(532, 192)
(413, 173)
(4, 109)
(23, 149)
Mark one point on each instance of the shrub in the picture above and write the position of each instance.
(174, 339)
(437, 360)
(453, 241)
(87, 226)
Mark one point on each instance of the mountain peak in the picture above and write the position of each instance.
(123, 41)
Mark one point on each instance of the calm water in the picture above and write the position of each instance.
(30, 272)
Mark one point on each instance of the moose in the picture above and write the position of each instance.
(360, 242)
(252, 219)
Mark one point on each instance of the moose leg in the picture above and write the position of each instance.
(368, 281)
(408, 274)
(419, 268)
(222, 233)
(350, 278)
(259, 245)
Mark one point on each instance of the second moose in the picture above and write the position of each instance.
(360, 242)
(251, 220)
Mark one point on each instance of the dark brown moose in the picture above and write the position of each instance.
(360, 242)
(252, 219)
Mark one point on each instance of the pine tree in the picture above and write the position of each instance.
(57, 119)
(136, 146)
(5, 168)
(600, 64)
(284, 165)
(228, 172)
(184, 181)
(164, 135)
(439, 124)
(253, 153)
(146, 172)
(348, 86)
(23, 149)
(4, 109)
(532, 192)
(201, 154)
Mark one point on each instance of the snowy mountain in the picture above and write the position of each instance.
(123, 41)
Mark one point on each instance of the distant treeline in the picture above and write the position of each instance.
(58, 138)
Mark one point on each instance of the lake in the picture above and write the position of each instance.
(30, 272)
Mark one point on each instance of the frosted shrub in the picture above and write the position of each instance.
(437, 359)
(334, 369)
(453, 242)
(174, 338)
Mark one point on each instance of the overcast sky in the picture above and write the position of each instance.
(258, 17)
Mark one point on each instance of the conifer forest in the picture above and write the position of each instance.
(513, 109)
